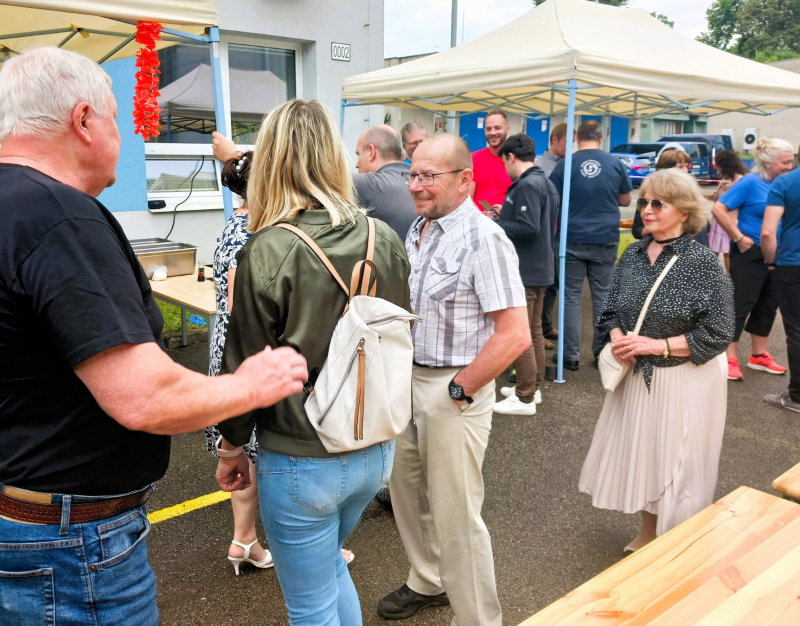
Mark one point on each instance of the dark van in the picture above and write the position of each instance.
(715, 143)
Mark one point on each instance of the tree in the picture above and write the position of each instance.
(768, 25)
(663, 18)
(723, 23)
(613, 3)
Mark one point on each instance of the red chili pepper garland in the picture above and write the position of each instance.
(145, 100)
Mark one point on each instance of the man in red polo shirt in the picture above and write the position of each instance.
(491, 181)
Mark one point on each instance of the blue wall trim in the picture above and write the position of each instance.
(129, 193)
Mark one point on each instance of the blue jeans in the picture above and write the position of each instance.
(96, 573)
(309, 507)
(594, 261)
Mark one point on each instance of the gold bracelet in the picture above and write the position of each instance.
(667, 352)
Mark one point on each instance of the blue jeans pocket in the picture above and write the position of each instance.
(27, 598)
(119, 538)
(318, 484)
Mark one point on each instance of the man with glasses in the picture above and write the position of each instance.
(412, 135)
(465, 285)
(600, 185)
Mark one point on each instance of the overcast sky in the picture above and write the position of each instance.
(419, 26)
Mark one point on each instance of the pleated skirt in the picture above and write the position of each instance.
(659, 451)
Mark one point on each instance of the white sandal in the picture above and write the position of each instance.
(264, 563)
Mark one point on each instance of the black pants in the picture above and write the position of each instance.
(550, 297)
(786, 279)
(754, 292)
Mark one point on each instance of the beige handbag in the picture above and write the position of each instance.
(612, 371)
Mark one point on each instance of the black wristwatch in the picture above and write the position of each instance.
(457, 392)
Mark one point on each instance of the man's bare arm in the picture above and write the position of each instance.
(143, 389)
(512, 334)
(624, 199)
(769, 232)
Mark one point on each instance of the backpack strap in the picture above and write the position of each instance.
(318, 251)
(363, 270)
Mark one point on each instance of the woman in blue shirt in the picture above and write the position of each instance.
(753, 290)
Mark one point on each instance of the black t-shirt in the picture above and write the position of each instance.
(70, 287)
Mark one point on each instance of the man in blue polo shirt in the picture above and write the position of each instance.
(600, 185)
(783, 209)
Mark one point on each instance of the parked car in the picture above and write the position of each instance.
(638, 167)
(638, 148)
(701, 162)
(714, 144)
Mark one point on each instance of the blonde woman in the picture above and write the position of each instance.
(309, 500)
(656, 446)
(753, 289)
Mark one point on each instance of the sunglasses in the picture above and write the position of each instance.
(642, 203)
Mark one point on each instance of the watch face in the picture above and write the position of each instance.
(455, 391)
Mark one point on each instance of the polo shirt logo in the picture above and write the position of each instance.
(590, 168)
(524, 208)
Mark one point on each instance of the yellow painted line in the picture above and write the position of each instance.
(187, 507)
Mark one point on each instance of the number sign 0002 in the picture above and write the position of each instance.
(340, 52)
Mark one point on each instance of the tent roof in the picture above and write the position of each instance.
(252, 93)
(96, 27)
(626, 63)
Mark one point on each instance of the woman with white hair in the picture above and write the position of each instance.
(656, 446)
(754, 294)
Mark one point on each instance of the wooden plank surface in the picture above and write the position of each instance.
(693, 570)
(789, 483)
(186, 290)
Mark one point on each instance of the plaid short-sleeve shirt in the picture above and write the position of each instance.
(465, 268)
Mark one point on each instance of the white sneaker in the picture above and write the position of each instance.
(514, 406)
(508, 391)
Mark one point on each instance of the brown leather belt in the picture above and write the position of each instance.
(80, 512)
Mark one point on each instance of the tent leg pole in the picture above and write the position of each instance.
(341, 118)
(219, 107)
(562, 243)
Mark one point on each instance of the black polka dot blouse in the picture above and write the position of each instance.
(695, 299)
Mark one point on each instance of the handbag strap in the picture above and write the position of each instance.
(361, 271)
(650, 295)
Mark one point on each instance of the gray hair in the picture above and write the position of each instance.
(766, 151)
(410, 128)
(386, 142)
(40, 88)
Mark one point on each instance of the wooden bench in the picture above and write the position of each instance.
(736, 563)
(789, 483)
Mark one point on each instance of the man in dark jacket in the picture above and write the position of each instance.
(528, 218)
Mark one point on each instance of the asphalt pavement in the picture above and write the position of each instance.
(547, 537)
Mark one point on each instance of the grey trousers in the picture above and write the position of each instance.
(437, 495)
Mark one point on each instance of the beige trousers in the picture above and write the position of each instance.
(437, 495)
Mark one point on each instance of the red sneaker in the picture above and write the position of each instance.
(734, 373)
(765, 363)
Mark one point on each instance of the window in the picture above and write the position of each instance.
(260, 79)
(175, 175)
(668, 128)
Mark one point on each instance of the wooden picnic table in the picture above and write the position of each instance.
(190, 295)
(736, 563)
(789, 483)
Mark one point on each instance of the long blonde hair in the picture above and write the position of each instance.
(300, 162)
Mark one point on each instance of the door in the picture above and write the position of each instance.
(619, 131)
(539, 131)
(471, 130)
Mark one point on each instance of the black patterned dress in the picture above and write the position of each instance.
(233, 238)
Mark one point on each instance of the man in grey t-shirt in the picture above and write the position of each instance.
(380, 184)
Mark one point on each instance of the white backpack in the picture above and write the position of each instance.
(362, 395)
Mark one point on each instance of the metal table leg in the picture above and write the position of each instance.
(184, 334)
(212, 321)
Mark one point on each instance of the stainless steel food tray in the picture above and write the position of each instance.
(180, 258)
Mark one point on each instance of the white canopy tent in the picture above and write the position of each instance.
(105, 30)
(568, 56)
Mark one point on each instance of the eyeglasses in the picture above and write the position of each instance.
(426, 180)
(642, 203)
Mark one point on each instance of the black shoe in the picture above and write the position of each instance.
(512, 377)
(385, 498)
(405, 602)
(569, 365)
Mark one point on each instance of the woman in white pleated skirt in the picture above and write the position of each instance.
(657, 443)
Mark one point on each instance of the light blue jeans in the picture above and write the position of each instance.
(309, 507)
(96, 573)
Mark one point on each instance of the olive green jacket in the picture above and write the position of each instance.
(285, 296)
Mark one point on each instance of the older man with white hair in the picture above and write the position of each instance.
(87, 395)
